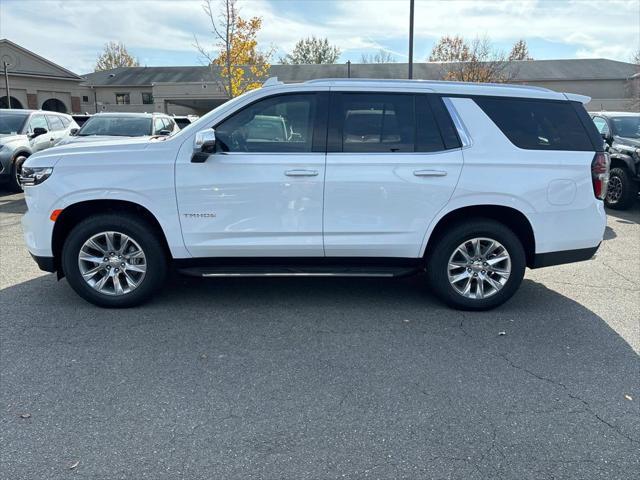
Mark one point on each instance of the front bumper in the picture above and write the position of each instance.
(46, 264)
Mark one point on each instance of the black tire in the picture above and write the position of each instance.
(141, 232)
(622, 190)
(16, 166)
(447, 243)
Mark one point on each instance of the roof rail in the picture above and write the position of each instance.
(426, 82)
(271, 81)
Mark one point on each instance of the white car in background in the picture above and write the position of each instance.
(471, 183)
(110, 126)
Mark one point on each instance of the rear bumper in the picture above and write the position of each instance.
(565, 256)
(45, 263)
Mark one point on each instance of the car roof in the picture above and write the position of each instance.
(29, 112)
(130, 114)
(434, 86)
(615, 114)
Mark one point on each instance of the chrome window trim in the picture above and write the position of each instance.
(463, 133)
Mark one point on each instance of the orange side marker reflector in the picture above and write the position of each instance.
(55, 214)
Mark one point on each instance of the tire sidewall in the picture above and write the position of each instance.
(437, 266)
(139, 231)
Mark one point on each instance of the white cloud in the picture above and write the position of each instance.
(76, 32)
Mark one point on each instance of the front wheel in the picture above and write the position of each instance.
(114, 260)
(16, 169)
(476, 265)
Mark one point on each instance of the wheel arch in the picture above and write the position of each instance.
(76, 212)
(511, 217)
(623, 161)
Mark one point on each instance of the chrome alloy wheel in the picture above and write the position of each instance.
(614, 189)
(112, 263)
(479, 268)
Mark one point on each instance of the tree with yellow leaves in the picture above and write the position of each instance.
(239, 62)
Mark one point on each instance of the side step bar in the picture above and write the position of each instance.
(301, 271)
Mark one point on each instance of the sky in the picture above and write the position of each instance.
(161, 32)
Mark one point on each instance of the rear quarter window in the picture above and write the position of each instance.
(537, 124)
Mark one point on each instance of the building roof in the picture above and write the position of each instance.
(523, 71)
(33, 67)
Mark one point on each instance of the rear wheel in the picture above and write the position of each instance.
(477, 265)
(114, 260)
(622, 190)
(16, 169)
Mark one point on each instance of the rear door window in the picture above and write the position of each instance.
(375, 122)
(55, 123)
(537, 124)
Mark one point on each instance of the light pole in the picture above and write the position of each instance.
(6, 83)
(411, 2)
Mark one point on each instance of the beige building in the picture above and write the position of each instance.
(36, 82)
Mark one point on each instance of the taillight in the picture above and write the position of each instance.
(600, 174)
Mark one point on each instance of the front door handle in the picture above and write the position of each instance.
(301, 173)
(429, 173)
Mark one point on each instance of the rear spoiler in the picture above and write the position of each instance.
(574, 97)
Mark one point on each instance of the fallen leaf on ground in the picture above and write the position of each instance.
(74, 465)
(628, 397)
(502, 333)
(25, 415)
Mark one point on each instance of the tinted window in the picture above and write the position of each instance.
(38, 121)
(373, 122)
(276, 124)
(626, 126)
(55, 123)
(11, 123)
(537, 124)
(428, 138)
(116, 126)
(183, 122)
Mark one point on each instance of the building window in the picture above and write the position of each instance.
(85, 98)
(147, 98)
(122, 99)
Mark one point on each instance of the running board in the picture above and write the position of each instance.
(298, 271)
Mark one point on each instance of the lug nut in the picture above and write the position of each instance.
(475, 274)
(122, 264)
(469, 269)
(483, 272)
(117, 269)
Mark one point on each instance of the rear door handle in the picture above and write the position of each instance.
(301, 173)
(429, 173)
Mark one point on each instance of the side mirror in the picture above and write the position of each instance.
(164, 133)
(38, 131)
(204, 145)
(73, 132)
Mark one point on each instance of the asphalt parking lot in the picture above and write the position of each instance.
(323, 378)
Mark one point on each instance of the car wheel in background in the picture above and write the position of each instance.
(16, 168)
(622, 190)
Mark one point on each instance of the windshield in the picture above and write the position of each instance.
(12, 123)
(116, 126)
(626, 126)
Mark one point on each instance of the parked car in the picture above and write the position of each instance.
(106, 126)
(184, 120)
(468, 182)
(621, 134)
(23, 132)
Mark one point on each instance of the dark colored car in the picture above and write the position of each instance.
(621, 133)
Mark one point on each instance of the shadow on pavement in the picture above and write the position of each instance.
(313, 378)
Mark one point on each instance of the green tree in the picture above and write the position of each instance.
(312, 51)
(115, 55)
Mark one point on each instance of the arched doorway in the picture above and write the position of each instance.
(54, 105)
(15, 103)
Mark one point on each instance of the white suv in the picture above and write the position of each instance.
(469, 182)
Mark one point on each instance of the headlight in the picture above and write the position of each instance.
(30, 176)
